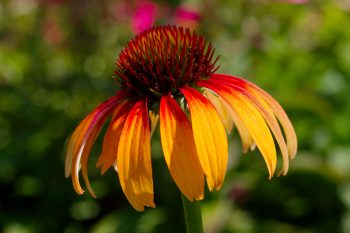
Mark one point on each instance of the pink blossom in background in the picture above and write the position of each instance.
(52, 2)
(187, 17)
(295, 1)
(144, 16)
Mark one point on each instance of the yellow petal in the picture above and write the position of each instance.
(228, 117)
(263, 107)
(272, 122)
(292, 142)
(81, 142)
(222, 108)
(269, 108)
(154, 118)
(253, 121)
(111, 140)
(179, 149)
(85, 156)
(257, 127)
(134, 158)
(209, 136)
(72, 146)
(287, 126)
(246, 138)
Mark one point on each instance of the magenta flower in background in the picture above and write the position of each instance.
(187, 17)
(295, 1)
(144, 16)
(55, 2)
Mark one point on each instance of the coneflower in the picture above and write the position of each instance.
(169, 74)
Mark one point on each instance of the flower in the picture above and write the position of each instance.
(187, 16)
(168, 74)
(144, 16)
(295, 1)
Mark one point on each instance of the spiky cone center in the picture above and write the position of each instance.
(163, 59)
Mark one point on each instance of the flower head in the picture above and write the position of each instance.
(169, 74)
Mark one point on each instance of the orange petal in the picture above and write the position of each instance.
(246, 138)
(222, 108)
(134, 158)
(256, 126)
(111, 140)
(269, 108)
(287, 126)
(179, 149)
(252, 119)
(81, 141)
(266, 112)
(272, 122)
(85, 155)
(209, 136)
(229, 116)
(154, 118)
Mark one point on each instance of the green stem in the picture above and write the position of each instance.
(193, 215)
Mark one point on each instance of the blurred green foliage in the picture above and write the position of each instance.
(56, 63)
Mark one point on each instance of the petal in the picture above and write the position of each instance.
(111, 140)
(252, 119)
(179, 149)
(272, 122)
(270, 109)
(222, 108)
(281, 115)
(247, 140)
(134, 158)
(154, 118)
(230, 117)
(209, 136)
(287, 126)
(81, 141)
(266, 112)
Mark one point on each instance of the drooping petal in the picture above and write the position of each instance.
(251, 118)
(276, 130)
(272, 122)
(134, 158)
(270, 109)
(281, 115)
(229, 118)
(222, 108)
(287, 126)
(180, 150)
(111, 140)
(247, 140)
(264, 109)
(81, 142)
(209, 136)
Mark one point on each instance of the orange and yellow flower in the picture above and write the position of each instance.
(168, 74)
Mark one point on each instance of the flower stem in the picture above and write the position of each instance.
(193, 215)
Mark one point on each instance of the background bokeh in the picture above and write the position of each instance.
(56, 65)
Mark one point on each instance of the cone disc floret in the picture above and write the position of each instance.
(163, 59)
